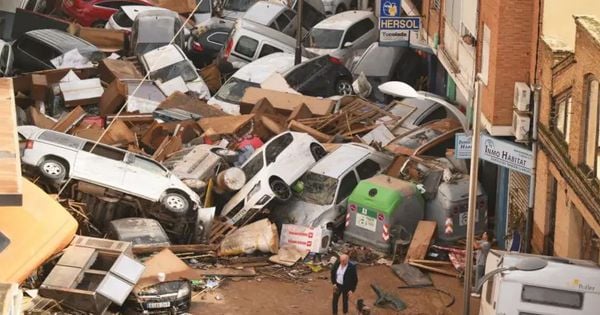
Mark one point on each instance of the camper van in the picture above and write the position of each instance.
(530, 284)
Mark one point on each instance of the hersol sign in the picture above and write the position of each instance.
(506, 154)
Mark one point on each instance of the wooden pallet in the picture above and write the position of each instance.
(219, 230)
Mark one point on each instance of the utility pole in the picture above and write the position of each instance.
(298, 56)
(474, 174)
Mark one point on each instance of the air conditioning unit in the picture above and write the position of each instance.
(520, 126)
(522, 96)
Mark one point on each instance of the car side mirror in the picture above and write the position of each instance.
(348, 44)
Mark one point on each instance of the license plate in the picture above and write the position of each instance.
(158, 304)
(366, 222)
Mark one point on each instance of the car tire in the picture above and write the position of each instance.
(176, 202)
(343, 86)
(53, 169)
(99, 24)
(281, 190)
(340, 8)
(317, 151)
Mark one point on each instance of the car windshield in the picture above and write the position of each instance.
(323, 38)
(233, 90)
(318, 189)
(238, 5)
(182, 68)
(418, 138)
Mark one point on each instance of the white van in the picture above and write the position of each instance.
(524, 284)
(251, 75)
(249, 41)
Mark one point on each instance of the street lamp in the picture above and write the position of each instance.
(401, 89)
(525, 264)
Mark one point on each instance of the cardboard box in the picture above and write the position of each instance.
(285, 103)
(179, 6)
(39, 87)
(110, 69)
(113, 98)
(83, 92)
(106, 40)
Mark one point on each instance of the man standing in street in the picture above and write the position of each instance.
(483, 247)
(344, 279)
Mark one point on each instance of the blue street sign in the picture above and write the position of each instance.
(407, 23)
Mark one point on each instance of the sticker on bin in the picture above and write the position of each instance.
(366, 219)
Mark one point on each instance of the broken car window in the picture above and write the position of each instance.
(318, 189)
(238, 5)
(367, 169)
(182, 68)
(103, 151)
(348, 184)
(323, 38)
(61, 138)
(418, 139)
(233, 90)
(253, 166)
(276, 146)
(4, 242)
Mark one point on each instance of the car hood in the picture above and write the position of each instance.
(297, 211)
(321, 51)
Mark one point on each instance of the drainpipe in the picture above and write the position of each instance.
(534, 148)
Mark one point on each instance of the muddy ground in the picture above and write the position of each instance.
(267, 295)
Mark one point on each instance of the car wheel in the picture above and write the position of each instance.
(343, 87)
(282, 191)
(317, 151)
(340, 8)
(99, 24)
(176, 202)
(53, 169)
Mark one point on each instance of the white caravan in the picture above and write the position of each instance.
(521, 284)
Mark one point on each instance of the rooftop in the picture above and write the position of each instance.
(591, 24)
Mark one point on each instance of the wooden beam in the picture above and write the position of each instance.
(433, 269)
(11, 190)
(420, 241)
(194, 248)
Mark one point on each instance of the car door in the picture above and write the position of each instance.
(145, 177)
(101, 165)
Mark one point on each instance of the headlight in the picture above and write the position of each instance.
(254, 190)
(183, 290)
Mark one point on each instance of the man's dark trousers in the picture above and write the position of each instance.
(336, 298)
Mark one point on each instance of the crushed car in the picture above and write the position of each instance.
(174, 71)
(320, 195)
(432, 139)
(269, 173)
(156, 28)
(323, 76)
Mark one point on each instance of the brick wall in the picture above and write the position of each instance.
(512, 33)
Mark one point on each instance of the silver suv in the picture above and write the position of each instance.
(59, 156)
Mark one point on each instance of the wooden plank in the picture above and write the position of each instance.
(193, 248)
(70, 120)
(11, 190)
(431, 262)
(227, 272)
(296, 126)
(421, 240)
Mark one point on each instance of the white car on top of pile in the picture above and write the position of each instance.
(269, 173)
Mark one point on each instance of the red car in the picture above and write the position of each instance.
(96, 12)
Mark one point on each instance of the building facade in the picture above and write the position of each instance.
(567, 203)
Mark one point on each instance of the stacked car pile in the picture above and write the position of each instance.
(147, 150)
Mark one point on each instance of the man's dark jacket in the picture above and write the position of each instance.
(350, 276)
